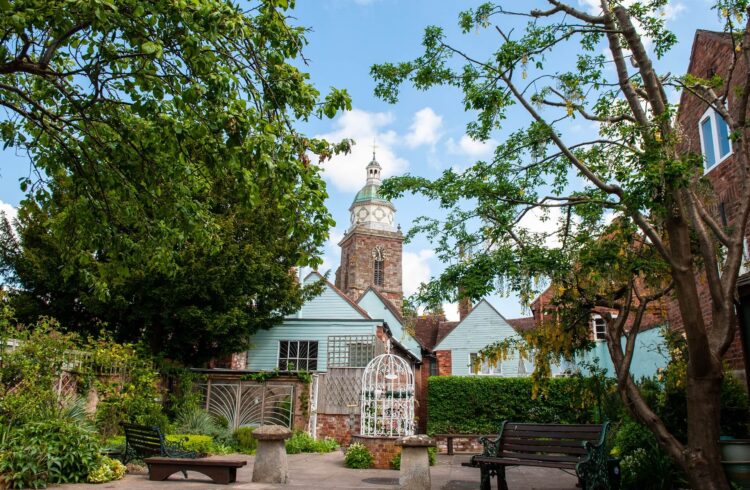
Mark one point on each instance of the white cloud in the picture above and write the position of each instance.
(468, 146)
(451, 312)
(347, 172)
(539, 222)
(425, 130)
(416, 269)
(10, 212)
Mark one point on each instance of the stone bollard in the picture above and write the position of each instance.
(415, 462)
(270, 456)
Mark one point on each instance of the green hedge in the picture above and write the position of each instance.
(479, 404)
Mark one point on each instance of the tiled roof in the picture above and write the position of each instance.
(429, 330)
(522, 324)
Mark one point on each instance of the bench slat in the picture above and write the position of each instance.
(540, 457)
(585, 436)
(542, 442)
(520, 462)
(553, 449)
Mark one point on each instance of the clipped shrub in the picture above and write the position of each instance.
(244, 440)
(199, 443)
(357, 457)
(53, 451)
(479, 404)
(431, 455)
(109, 469)
(302, 442)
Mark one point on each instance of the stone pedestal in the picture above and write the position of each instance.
(415, 462)
(270, 456)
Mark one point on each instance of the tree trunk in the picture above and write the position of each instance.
(703, 456)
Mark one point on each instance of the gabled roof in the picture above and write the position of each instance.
(386, 302)
(447, 331)
(340, 293)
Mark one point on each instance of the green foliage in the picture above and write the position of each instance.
(643, 463)
(198, 421)
(431, 456)
(30, 371)
(177, 194)
(109, 469)
(183, 393)
(479, 404)
(302, 442)
(52, 451)
(357, 457)
(244, 440)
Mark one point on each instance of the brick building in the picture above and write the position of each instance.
(371, 249)
(704, 132)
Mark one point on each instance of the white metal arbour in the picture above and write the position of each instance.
(387, 407)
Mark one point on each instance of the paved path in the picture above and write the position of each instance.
(327, 472)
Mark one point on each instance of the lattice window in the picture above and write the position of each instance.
(350, 350)
(378, 255)
(297, 355)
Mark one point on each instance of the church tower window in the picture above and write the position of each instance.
(379, 262)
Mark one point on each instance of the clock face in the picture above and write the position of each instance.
(378, 253)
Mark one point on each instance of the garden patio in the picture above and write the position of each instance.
(327, 471)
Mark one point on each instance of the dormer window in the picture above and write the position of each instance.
(599, 328)
(715, 143)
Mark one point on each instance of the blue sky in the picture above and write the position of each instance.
(423, 134)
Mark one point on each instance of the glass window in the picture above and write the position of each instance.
(298, 355)
(485, 368)
(715, 142)
(600, 328)
(708, 145)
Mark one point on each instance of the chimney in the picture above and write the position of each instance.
(464, 306)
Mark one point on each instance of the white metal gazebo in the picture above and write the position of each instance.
(387, 407)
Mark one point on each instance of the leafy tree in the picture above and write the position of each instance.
(632, 228)
(174, 194)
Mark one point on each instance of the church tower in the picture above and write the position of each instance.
(371, 247)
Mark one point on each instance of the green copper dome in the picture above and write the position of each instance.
(369, 193)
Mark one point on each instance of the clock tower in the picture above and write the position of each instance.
(371, 247)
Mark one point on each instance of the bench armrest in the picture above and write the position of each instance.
(592, 469)
(492, 445)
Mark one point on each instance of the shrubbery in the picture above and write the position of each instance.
(108, 470)
(357, 457)
(301, 442)
(244, 440)
(479, 404)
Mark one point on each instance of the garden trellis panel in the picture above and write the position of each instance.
(250, 403)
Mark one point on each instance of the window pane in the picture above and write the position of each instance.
(302, 349)
(472, 362)
(312, 365)
(313, 350)
(724, 147)
(708, 142)
(292, 349)
(284, 349)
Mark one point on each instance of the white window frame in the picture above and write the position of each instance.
(492, 370)
(297, 358)
(712, 115)
(594, 318)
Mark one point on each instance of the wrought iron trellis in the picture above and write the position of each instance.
(243, 403)
(387, 407)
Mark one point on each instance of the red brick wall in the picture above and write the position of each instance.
(445, 362)
(383, 449)
(338, 426)
(357, 269)
(711, 55)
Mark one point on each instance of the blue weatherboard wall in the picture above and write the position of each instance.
(481, 327)
(372, 304)
(646, 357)
(263, 355)
(328, 314)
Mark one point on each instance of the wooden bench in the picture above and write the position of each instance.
(578, 448)
(449, 439)
(142, 442)
(222, 471)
